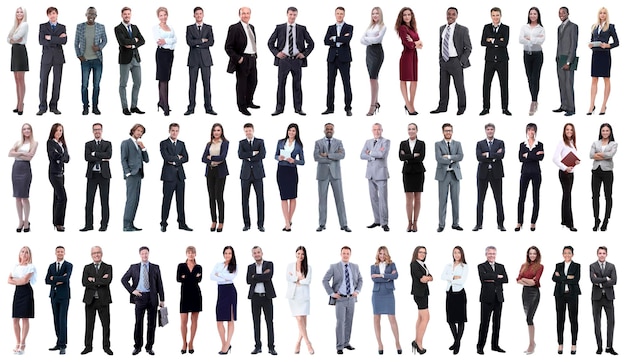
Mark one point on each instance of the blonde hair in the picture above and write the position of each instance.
(605, 26)
(162, 8)
(22, 140)
(16, 23)
(387, 257)
(193, 250)
(381, 23)
(30, 255)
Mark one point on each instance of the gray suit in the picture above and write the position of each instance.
(454, 66)
(132, 164)
(329, 172)
(344, 308)
(602, 296)
(567, 42)
(448, 174)
(377, 174)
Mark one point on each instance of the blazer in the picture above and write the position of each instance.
(130, 281)
(102, 155)
(52, 52)
(199, 51)
(123, 38)
(606, 163)
(236, 41)
(604, 37)
(133, 158)
(57, 156)
(461, 41)
(100, 285)
(418, 288)
(494, 158)
(100, 39)
(412, 164)
(561, 280)
(530, 163)
(387, 280)
(443, 163)
(251, 165)
(496, 51)
(376, 159)
(336, 273)
(292, 279)
(328, 167)
(297, 154)
(304, 42)
(59, 291)
(172, 169)
(602, 286)
(342, 53)
(491, 286)
(222, 168)
(567, 41)
(253, 279)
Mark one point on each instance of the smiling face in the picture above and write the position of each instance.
(97, 131)
(91, 16)
(291, 16)
(96, 254)
(329, 130)
(19, 14)
(569, 132)
(58, 133)
(137, 133)
(491, 255)
(345, 255)
(605, 132)
(412, 130)
(407, 16)
(456, 255)
(421, 254)
(144, 254)
(27, 131)
(174, 133)
(375, 16)
(244, 15)
(601, 255)
(532, 255)
(495, 17)
(489, 132)
(291, 133)
(52, 16)
(563, 14)
(25, 256)
(199, 16)
(339, 14)
(567, 255)
(249, 131)
(382, 256)
(228, 255)
(300, 255)
(162, 16)
(533, 16)
(216, 133)
(257, 254)
(60, 253)
(451, 16)
(447, 133)
(377, 131)
(530, 134)
(126, 16)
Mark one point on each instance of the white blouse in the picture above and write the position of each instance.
(20, 271)
(537, 36)
(20, 32)
(450, 271)
(168, 36)
(374, 35)
(221, 275)
(561, 151)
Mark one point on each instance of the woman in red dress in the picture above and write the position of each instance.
(407, 31)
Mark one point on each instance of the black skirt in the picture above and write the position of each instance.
(19, 58)
(287, 178)
(413, 182)
(374, 57)
(164, 61)
(456, 306)
(601, 64)
(21, 176)
(23, 302)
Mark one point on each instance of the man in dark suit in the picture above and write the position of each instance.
(241, 49)
(133, 155)
(496, 38)
(291, 44)
(343, 283)
(328, 154)
(199, 38)
(492, 275)
(52, 37)
(143, 282)
(96, 280)
(252, 152)
(97, 154)
(489, 153)
(454, 51)
(174, 155)
(338, 38)
(261, 292)
(58, 277)
(567, 43)
(130, 39)
(566, 291)
(603, 277)
(448, 154)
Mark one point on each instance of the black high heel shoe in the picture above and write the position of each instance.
(166, 111)
(592, 111)
(406, 109)
(27, 229)
(603, 113)
(596, 224)
(19, 229)
(59, 228)
(416, 348)
(372, 111)
(227, 351)
(604, 224)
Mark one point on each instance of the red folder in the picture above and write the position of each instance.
(570, 159)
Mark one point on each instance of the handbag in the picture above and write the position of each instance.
(162, 316)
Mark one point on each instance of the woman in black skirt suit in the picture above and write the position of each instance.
(289, 154)
(58, 157)
(165, 38)
(19, 57)
(23, 151)
(421, 277)
(412, 152)
(455, 274)
(226, 309)
(23, 275)
(374, 55)
(216, 171)
(189, 274)
(601, 32)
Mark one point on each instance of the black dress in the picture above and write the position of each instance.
(190, 293)
(413, 167)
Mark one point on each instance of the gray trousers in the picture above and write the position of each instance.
(596, 307)
(451, 68)
(134, 67)
(378, 198)
(449, 183)
(344, 311)
(322, 190)
(133, 190)
(566, 87)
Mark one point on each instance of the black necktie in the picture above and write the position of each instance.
(58, 266)
(328, 146)
(200, 28)
(495, 29)
(449, 151)
(250, 144)
(375, 141)
(290, 39)
(174, 143)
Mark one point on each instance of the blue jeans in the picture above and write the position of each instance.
(87, 66)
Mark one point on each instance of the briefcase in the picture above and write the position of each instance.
(163, 319)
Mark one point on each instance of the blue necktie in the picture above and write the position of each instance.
(130, 32)
(54, 26)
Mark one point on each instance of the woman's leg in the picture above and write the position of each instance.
(394, 330)
(409, 208)
(211, 188)
(412, 91)
(220, 184)
(417, 204)
(20, 212)
(292, 209)
(222, 332)
(594, 91)
(607, 92)
(377, 331)
(285, 207)
(194, 328)
(422, 323)
(183, 329)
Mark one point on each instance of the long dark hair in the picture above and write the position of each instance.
(611, 138)
(232, 265)
(460, 249)
(399, 21)
(538, 15)
(565, 140)
(304, 266)
(293, 125)
(532, 265)
(53, 131)
(223, 138)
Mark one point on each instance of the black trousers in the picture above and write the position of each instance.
(286, 66)
(567, 181)
(486, 310)
(599, 178)
(245, 200)
(524, 181)
(60, 198)
(263, 303)
(169, 187)
(143, 304)
(59, 312)
(569, 301)
(97, 181)
(503, 76)
(215, 186)
(206, 85)
(530, 301)
(44, 74)
(496, 188)
(102, 309)
(246, 81)
(533, 61)
(596, 307)
(344, 70)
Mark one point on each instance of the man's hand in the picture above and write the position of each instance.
(137, 293)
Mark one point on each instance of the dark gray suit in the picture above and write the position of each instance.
(252, 174)
(52, 58)
(567, 42)
(200, 59)
(132, 164)
(448, 174)
(602, 296)
(377, 174)
(454, 66)
(329, 172)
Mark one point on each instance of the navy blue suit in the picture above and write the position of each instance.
(252, 174)
(59, 281)
(490, 172)
(339, 59)
(173, 177)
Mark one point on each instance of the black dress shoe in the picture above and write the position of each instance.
(349, 348)
(245, 112)
(480, 351)
(150, 352)
(108, 351)
(611, 351)
(346, 229)
(62, 351)
(457, 227)
(328, 111)
(599, 350)
(40, 112)
(85, 111)
(272, 351)
(339, 351)
(506, 112)
(189, 112)
(136, 351)
(276, 113)
(440, 229)
(256, 351)
(128, 228)
(498, 349)
(558, 110)
(96, 111)
(86, 350)
(385, 227)
(102, 228)
(349, 113)
(571, 228)
(501, 228)
(55, 348)
(136, 228)
(477, 227)
(300, 112)
(126, 111)
(261, 229)
(55, 111)
(460, 112)
(186, 228)
(246, 228)
(320, 228)
(437, 111)
(373, 225)
(253, 106)
(86, 228)
(163, 228)
(569, 113)
(483, 112)
(138, 111)
(211, 112)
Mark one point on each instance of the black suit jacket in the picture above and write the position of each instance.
(496, 51)
(253, 279)
(412, 164)
(491, 286)
(52, 52)
(199, 51)
(130, 281)
(173, 165)
(99, 285)
(59, 291)
(342, 53)
(418, 288)
(304, 42)
(57, 156)
(600, 282)
(123, 39)
(494, 158)
(236, 41)
(101, 153)
(461, 41)
(561, 279)
(251, 166)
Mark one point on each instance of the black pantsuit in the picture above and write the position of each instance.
(569, 301)
(602, 178)
(524, 182)
(60, 198)
(567, 181)
(533, 61)
(344, 71)
(215, 186)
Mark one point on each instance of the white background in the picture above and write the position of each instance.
(168, 249)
